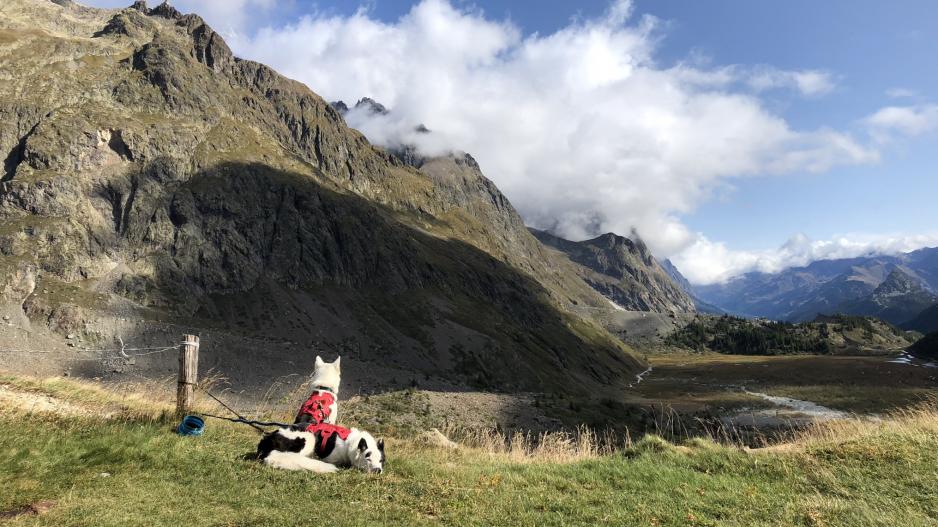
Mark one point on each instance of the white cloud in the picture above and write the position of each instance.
(902, 93)
(811, 83)
(906, 120)
(707, 262)
(581, 128)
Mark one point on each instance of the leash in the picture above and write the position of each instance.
(239, 416)
(255, 424)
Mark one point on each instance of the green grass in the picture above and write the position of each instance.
(862, 475)
(404, 413)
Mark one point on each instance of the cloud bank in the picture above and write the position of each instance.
(707, 262)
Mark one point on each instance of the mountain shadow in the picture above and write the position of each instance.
(276, 267)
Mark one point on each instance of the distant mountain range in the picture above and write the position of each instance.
(894, 288)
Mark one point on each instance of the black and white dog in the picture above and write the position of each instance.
(322, 448)
(315, 442)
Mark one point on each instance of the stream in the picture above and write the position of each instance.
(806, 408)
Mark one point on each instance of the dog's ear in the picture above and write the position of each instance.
(338, 363)
(381, 444)
(362, 444)
(319, 361)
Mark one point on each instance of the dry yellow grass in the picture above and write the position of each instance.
(154, 399)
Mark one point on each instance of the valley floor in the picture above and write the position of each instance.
(854, 384)
(85, 456)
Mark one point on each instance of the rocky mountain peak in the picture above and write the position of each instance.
(372, 106)
(164, 10)
(611, 240)
(340, 107)
(624, 271)
(898, 282)
(621, 249)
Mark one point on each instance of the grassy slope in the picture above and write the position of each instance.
(861, 475)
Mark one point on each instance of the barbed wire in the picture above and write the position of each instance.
(121, 352)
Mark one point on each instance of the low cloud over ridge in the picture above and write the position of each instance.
(583, 128)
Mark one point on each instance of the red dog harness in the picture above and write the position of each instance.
(326, 434)
(318, 406)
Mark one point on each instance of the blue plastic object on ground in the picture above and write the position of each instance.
(191, 425)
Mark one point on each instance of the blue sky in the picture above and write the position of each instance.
(873, 47)
(733, 135)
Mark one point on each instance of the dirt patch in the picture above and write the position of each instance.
(489, 410)
(40, 507)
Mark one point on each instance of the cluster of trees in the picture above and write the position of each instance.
(745, 337)
(856, 322)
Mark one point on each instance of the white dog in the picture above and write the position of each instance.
(322, 448)
(322, 405)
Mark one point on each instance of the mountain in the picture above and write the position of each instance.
(154, 183)
(824, 286)
(898, 299)
(924, 322)
(685, 285)
(839, 334)
(679, 279)
(366, 104)
(623, 270)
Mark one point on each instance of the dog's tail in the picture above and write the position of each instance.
(295, 461)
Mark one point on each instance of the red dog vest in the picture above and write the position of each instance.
(318, 406)
(325, 434)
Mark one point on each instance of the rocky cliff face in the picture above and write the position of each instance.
(624, 271)
(152, 178)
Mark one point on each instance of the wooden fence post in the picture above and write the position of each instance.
(188, 372)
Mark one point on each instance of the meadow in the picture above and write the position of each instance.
(83, 455)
